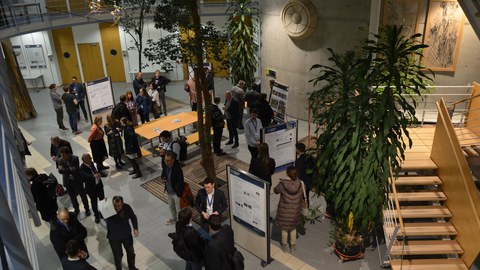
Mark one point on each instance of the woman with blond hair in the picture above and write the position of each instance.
(132, 107)
(97, 144)
(115, 146)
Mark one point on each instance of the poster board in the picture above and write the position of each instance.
(100, 97)
(36, 58)
(281, 140)
(17, 50)
(278, 101)
(249, 199)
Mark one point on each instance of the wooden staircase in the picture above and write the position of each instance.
(427, 241)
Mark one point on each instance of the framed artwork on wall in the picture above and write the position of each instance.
(402, 12)
(443, 33)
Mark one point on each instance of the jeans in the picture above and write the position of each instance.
(144, 116)
(293, 237)
(174, 205)
(161, 96)
(117, 251)
(72, 118)
(59, 113)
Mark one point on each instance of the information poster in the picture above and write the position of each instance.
(100, 95)
(36, 58)
(281, 140)
(20, 57)
(278, 101)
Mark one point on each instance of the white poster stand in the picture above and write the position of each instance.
(100, 97)
(249, 212)
(281, 140)
(278, 101)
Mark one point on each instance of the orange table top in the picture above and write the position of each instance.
(153, 128)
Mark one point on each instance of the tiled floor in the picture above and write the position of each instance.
(153, 247)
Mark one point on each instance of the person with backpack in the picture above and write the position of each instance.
(304, 163)
(169, 144)
(43, 191)
(220, 249)
(187, 242)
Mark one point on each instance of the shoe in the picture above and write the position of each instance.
(97, 220)
(103, 174)
(86, 120)
(292, 249)
(132, 172)
(118, 166)
(77, 132)
(87, 212)
(64, 128)
(103, 167)
(76, 212)
(170, 222)
(302, 231)
(284, 248)
(122, 163)
(221, 154)
(235, 145)
(229, 142)
(136, 176)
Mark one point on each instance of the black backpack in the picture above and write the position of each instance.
(182, 141)
(180, 247)
(50, 188)
(237, 260)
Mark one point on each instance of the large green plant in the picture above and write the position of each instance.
(364, 119)
(242, 47)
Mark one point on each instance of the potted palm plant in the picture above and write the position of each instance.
(364, 105)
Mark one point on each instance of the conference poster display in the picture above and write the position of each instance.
(278, 101)
(100, 97)
(281, 140)
(249, 212)
(36, 58)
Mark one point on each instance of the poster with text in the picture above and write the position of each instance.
(278, 101)
(36, 58)
(20, 57)
(281, 140)
(100, 95)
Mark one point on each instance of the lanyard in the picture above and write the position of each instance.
(210, 202)
(254, 124)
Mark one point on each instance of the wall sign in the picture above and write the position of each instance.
(36, 58)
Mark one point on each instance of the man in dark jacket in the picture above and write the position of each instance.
(232, 115)
(218, 123)
(265, 112)
(56, 144)
(78, 89)
(120, 110)
(93, 183)
(45, 202)
(119, 233)
(210, 201)
(172, 175)
(75, 258)
(221, 246)
(161, 83)
(191, 238)
(138, 83)
(69, 168)
(66, 228)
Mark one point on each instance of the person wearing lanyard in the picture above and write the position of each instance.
(210, 201)
(93, 183)
(253, 125)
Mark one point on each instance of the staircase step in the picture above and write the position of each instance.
(427, 211)
(427, 247)
(418, 165)
(428, 264)
(420, 196)
(427, 229)
(418, 180)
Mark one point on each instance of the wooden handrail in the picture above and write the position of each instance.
(463, 100)
(395, 198)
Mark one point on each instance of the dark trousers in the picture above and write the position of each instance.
(232, 130)
(72, 119)
(193, 266)
(117, 251)
(135, 166)
(217, 138)
(81, 104)
(73, 192)
(94, 198)
(144, 116)
(253, 151)
(59, 113)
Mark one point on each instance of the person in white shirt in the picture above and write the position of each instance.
(253, 126)
(153, 93)
(168, 144)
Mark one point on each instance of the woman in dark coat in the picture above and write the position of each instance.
(132, 148)
(263, 166)
(289, 209)
(97, 143)
(144, 105)
(115, 144)
(132, 107)
(45, 201)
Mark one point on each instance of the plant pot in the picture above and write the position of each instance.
(348, 253)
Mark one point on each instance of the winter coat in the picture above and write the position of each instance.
(289, 209)
(115, 144)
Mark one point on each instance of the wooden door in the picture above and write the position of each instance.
(112, 51)
(66, 54)
(91, 60)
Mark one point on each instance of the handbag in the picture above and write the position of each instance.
(303, 201)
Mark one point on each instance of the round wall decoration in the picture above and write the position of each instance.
(299, 18)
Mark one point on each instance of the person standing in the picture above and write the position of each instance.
(172, 176)
(153, 93)
(138, 83)
(191, 238)
(210, 80)
(78, 89)
(75, 259)
(192, 94)
(221, 247)
(71, 107)
(93, 183)
(239, 94)
(65, 228)
(144, 104)
(57, 105)
(263, 166)
(114, 136)
(68, 167)
(169, 144)
(131, 147)
(132, 108)
(45, 202)
(97, 143)
(289, 209)
(161, 83)
(55, 144)
(218, 123)
(119, 232)
(231, 114)
(121, 110)
(265, 112)
(303, 163)
(209, 201)
(253, 126)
